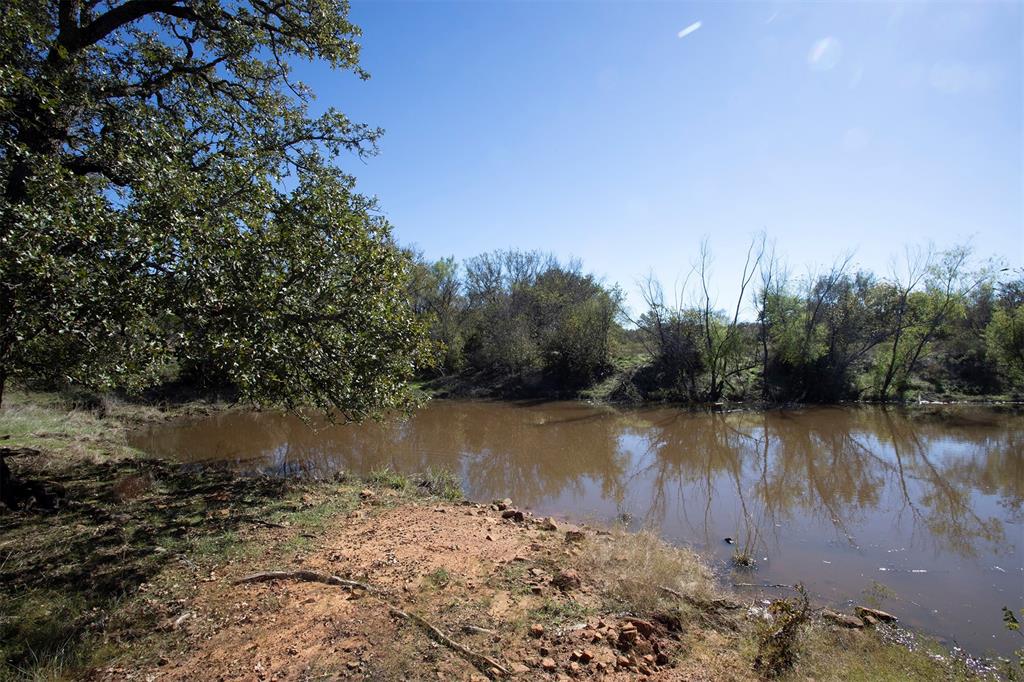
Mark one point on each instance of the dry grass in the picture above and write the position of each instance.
(634, 569)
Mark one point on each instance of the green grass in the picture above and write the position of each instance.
(512, 576)
(441, 483)
(439, 578)
(315, 516)
(387, 478)
(862, 656)
(556, 612)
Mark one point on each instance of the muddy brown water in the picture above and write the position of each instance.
(920, 513)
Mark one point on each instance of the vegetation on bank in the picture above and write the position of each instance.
(524, 323)
(113, 579)
(173, 210)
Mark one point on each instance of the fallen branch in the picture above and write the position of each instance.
(705, 604)
(485, 664)
(476, 630)
(306, 576)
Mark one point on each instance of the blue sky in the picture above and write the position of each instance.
(592, 129)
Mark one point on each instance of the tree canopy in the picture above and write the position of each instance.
(169, 202)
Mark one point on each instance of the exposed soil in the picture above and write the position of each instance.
(462, 567)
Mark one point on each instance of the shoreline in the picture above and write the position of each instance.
(189, 535)
(459, 388)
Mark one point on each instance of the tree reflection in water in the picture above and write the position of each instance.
(825, 493)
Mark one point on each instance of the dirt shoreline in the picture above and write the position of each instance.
(134, 575)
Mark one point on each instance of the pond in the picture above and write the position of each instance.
(918, 511)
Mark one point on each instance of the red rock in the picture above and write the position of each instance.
(566, 580)
(877, 613)
(842, 619)
(645, 628)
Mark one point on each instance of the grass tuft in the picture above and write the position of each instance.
(441, 483)
(634, 569)
(387, 478)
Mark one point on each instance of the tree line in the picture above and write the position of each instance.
(938, 323)
(172, 209)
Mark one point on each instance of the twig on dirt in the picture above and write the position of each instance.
(476, 630)
(763, 585)
(705, 604)
(485, 664)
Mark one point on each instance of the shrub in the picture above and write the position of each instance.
(778, 634)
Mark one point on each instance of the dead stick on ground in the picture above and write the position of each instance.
(486, 664)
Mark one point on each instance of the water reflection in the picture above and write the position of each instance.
(928, 504)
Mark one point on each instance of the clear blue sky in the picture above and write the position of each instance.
(597, 130)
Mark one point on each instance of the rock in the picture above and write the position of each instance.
(566, 580)
(549, 664)
(661, 658)
(645, 628)
(519, 669)
(575, 668)
(367, 494)
(870, 620)
(537, 589)
(622, 662)
(502, 505)
(729, 541)
(880, 615)
(627, 636)
(513, 514)
(586, 656)
(574, 536)
(548, 524)
(842, 619)
(536, 630)
(545, 651)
